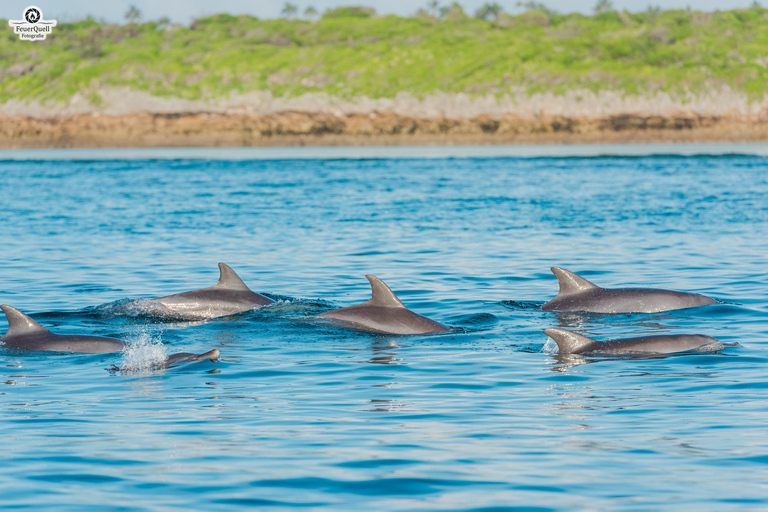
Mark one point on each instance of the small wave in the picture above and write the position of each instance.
(150, 310)
(711, 347)
(132, 308)
(110, 308)
(477, 320)
(521, 304)
(294, 308)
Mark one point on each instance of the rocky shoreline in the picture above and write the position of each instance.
(295, 128)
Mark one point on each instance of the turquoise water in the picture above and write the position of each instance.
(310, 416)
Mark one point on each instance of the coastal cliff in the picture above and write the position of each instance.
(303, 128)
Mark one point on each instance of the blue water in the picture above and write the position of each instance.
(310, 416)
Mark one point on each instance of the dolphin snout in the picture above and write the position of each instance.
(212, 355)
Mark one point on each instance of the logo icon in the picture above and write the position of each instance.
(33, 27)
(32, 14)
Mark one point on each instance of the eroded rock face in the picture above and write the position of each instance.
(299, 128)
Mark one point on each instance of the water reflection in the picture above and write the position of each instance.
(386, 405)
(384, 352)
(582, 319)
(565, 362)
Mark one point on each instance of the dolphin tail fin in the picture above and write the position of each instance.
(20, 324)
(381, 294)
(229, 279)
(569, 342)
(571, 283)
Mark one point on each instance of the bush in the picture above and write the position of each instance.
(354, 11)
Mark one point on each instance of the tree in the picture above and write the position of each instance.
(352, 11)
(488, 11)
(133, 14)
(289, 10)
(652, 13)
(603, 6)
(536, 6)
(433, 6)
(310, 13)
(455, 10)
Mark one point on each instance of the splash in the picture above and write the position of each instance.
(550, 347)
(144, 354)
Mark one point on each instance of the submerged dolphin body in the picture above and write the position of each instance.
(570, 342)
(26, 334)
(230, 295)
(384, 314)
(578, 294)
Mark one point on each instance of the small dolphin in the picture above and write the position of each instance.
(186, 357)
(572, 343)
(578, 294)
(384, 314)
(228, 296)
(26, 334)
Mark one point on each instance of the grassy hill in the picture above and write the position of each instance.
(380, 56)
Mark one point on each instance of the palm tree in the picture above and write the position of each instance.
(603, 6)
(310, 13)
(289, 10)
(454, 10)
(488, 11)
(133, 14)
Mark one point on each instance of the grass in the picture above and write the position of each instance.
(380, 56)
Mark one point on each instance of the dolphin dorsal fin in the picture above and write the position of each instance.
(20, 324)
(569, 342)
(229, 280)
(571, 283)
(381, 294)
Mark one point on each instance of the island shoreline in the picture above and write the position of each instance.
(294, 128)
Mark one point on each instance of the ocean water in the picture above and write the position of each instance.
(308, 416)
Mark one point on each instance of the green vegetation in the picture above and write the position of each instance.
(350, 52)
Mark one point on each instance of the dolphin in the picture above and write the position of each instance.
(383, 314)
(573, 343)
(186, 357)
(578, 294)
(26, 334)
(228, 296)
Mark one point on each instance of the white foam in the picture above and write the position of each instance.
(550, 347)
(143, 354)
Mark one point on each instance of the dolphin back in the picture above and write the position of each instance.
(570, 342)
(578, 294)
(381, 294)
(230, 295)
(571, 283)
(229, 280)
(20, 324)
(383, 313)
